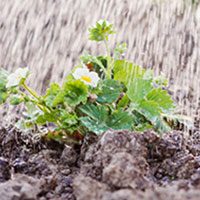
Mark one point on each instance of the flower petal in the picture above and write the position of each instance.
(84, 72)
(15, 78)
(95, 78)
(80, 72)
(12, 81)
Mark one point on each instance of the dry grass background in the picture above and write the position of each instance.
(49, 35)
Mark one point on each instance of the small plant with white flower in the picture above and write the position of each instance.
(99, 94)
(89, 78)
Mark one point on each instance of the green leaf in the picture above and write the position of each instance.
(15, 100)
(75, 92)
(138, 88)
(31, 108)
(68, 119)
(46, 118)
(126, 72)
(110, 91)
(3, 78)
(119, 50)
(161, 126)
(51, 95)
(3, 90)
(96, 112)
(3, 73)
(139, 118)
(3, 97)
(86, 58)
(149, 109)
(161, 80)
(123, 102)
(102, 29)
(31, 115)
(161, 97)
(59, 98)
(32, 111)
(120, 119)
(93, 126)
(20, 125)
(143, 127)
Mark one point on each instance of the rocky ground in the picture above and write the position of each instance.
(119, 165)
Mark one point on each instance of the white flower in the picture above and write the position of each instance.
(89, 78)
(15, 78)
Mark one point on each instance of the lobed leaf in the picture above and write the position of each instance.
(46, 118)
(110, 91)
(149, 109)
(126, 72)
(138, 88)
(98, 113)
(161, 97)
(120, 119)
(161, 126)
(94, 126)
(51, 95)
(68, 119)
(75, 92)
(15, 100)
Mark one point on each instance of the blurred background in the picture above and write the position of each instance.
(48, 36)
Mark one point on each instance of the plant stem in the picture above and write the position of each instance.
(41, 107)
(109, 66)
(33, 93)
(33, 101)
(101, 65)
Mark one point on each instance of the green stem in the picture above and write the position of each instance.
(31, 92)
(43, 108)
(33, 101)
(102, 67)
(109, 66)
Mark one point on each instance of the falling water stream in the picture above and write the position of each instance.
(48, 36)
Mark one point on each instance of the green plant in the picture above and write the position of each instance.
(100, 93)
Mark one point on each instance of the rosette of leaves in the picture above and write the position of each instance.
(101, 30)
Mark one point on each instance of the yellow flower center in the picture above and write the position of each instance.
(19, 77)
(86, 78)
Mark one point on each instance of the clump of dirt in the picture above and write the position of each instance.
(118, 165)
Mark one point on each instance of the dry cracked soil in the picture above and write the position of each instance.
(119, 165)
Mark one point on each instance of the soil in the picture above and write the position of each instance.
(119, 165)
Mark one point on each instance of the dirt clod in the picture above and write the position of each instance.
(118, 165)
